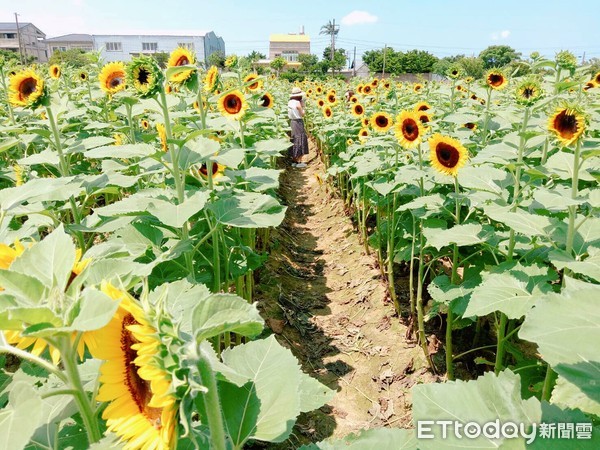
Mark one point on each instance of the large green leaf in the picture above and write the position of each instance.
(258, 178)
(220, 313)
(50, 261)
(590, 266)
(248, 210)
(21, 418)
(566, 327)
(176, 215)
(276, 376)
(95, 310)
(203, 146)
(483, 178)
(24, 286)
(272, 147)
(521, 221)
(483, 400)
(562, 164)
(121, 151)
(313, 394)
(512, 291)
(461, 235)
(240, 419)
(568, 395)
(375, 439)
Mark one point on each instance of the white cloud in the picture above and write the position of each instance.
(358, 18)
(504, 34)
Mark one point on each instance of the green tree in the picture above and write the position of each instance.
(443, 64)
(161, 58)
(255, 56)
(277, 64)
(339, 58)
(9, 57)
(417, 61)
(472, 66)
(498, 56)
(217, 59)
(74, 57)
(308, 62)
(594, 64)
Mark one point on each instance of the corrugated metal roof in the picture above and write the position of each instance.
(289, 38)
(71, 38)
(12, 26)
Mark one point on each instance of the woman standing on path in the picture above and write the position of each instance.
(299, 139)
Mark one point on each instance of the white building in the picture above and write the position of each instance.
(124, 47)
(83, 42)
(32, 40)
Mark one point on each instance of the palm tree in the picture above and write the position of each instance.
(329, 28)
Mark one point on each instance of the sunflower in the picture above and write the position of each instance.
(331, 99)
(408, 129)
(528, 92)
(381, 121)
(596, 78)
(118, 139)
(567, 124)
(233, 105)
(18, 174)
(349, 141)
(145, 124)
(359, 88)
(168, 88)
(319, 90)
(366, 122)
(354, 99)
(589, 85)
(424, 117)
(422, 106)
(321, 103)
(358, 110)
(83, 76)
(454, 72)
(418, 87)
(470, 125)
(496, 79)
(231, 61)
(112, 77)
(266, 101)
(374, 82)
(386, 85)
(145, 76)
(447, 154)
(363, 134)
(327, 112)
(469, 80)
(140, 410)
(162, 135)
(217, 170)
(211, 78)
(38, 345)
(26, 88)
(254, 82)
(366, 90)
(181, 56)
(54, 71)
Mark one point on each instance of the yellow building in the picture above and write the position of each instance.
(289, 46)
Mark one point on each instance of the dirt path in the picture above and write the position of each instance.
(324, 298)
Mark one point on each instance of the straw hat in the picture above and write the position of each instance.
(297, 92)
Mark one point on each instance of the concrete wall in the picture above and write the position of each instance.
(132, 45)
(29, 42)
(86, 46)
(212, 44)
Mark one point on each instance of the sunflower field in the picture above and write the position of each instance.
(135, 208)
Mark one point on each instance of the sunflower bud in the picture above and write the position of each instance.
(144, 74)
(528, 92)
(566, 60)
(454, 72)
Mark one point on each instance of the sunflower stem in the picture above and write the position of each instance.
(549, 382)
(130, 123)
(454, 279)
(86, 410)
(486, 123)
(63, 166)
(22, 354)
(212, 403)
(420, 313)
(573, 208)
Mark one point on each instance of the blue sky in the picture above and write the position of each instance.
(440, 27)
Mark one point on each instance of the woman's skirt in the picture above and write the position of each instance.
(299, 139)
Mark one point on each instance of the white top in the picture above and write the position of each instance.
(293, 111)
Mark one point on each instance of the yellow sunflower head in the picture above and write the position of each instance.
(145, 124)
(447, 154)
(181, 56)
(327, 112)
(454, 72)
(27, 89)
(233, 104)
(54, 71)
(381, 121)
(210, 79)
(354, 99)
(319, 90)
(470, 125)
(567, 124)
(112, 77)
(266, 100)
(367, 89)
(589, 85)
(218, 170)
(358, 110)
(363, 134)
(408, 129)
(162, 136)
(374, 82)
(145, 76)
(424, 117)
(359, 88)
(321, 102)
(331, 98)
(496, 79)
(418, 87)
(231, 61)
(366, 122)
(253, 82)
(422, 106)
(469, 80)
(349, 141)
(596, 79)
(133, 381)
(528, 92)
(83, 75)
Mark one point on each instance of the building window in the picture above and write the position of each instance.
(188, 45)
(59, 49)
(291, 56)
(149, 46)
(114, 47)
(10, 36)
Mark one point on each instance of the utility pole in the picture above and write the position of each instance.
(354, 63)
(583, 59)
(19, 38)
(333, 40)
(384, 54)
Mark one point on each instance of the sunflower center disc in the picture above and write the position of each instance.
(447, 155)
(28, 87)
